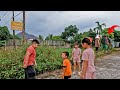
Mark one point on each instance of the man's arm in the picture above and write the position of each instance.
(26, 59)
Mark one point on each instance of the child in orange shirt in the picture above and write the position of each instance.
(67, 72)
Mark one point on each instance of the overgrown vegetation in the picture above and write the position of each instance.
(11, 61)
(47, 59)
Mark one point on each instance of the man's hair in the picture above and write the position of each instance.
(86, 40)
(66, 53)
(36, 41)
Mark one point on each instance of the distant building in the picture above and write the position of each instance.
(116, 44)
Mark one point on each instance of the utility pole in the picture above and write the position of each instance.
(14, 34)
(23, 27)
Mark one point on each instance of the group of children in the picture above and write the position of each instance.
(88, 68)
(86, 72)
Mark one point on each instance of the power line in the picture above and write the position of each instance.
(17, 14)
(8, 13)
(12, 17)
(4, 14)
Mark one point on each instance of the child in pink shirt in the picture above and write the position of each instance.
(76, 53)
(88, 57)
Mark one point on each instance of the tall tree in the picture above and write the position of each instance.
(49, 37)
(4, 33)
(69, 33)
(105, 32)
(117, 35)
(90, 30)
(56, 38)
(40, 37)
(98, 29)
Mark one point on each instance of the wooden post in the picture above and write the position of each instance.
(23, 32)
(14, 34)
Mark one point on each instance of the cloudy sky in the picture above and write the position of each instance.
(53, 22)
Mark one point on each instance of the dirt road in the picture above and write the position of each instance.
(107, 67)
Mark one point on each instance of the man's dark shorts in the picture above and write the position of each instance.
(30, 72)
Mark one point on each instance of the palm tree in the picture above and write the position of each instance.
(99, 27)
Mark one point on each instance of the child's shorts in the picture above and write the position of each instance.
(76, 60)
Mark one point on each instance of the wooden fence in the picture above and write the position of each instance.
(54, 43)
(10, 42)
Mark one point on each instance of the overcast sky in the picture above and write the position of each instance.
(53, 22)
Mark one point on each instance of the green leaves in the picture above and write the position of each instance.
(4, 33)
(47, 59)
(117, 35)
(40, 37)
(69, 32)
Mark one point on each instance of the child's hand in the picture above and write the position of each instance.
(82, 76)
(35, 64)
(71, 58)
(62, 76)
(25, 66)
(80, 54)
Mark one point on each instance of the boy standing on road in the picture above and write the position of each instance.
(29, 60)
(67, 71)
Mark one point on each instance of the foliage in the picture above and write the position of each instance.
(105, 32)
(11, 61)
(16, 37)
(69, 33)
(11, 64)
(4, 33)
(57, 38)
(49, 37)
(117, 35)
(91, 33)
(40, 37)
